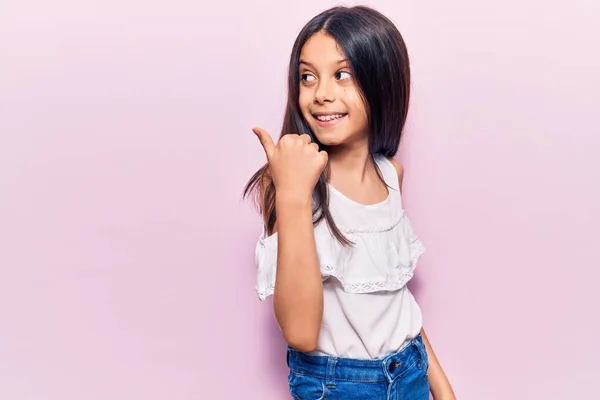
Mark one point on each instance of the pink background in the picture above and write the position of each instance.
(126, 254)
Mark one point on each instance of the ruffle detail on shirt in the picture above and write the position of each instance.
(379, 260)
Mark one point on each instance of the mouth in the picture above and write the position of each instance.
(328, 119)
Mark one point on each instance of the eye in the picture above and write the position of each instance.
(306, 77)
(343, 75)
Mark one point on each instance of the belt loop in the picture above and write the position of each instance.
(420, 345)
(330, 376)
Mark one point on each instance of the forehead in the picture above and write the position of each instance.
(321, 49)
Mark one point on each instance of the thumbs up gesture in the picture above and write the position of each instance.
(295, 163)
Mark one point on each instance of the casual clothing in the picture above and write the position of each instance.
(368, 310)
(398, 376)
(369, 314)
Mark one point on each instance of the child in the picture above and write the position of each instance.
(337, 248)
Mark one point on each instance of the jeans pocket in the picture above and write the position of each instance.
(414, 384)
(305, 387)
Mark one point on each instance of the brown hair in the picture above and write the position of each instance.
(379, 60)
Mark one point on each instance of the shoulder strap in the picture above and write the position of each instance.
(388, 171)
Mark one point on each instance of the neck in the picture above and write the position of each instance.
(355, 163)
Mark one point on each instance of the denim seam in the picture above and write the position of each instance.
(323, 390)
(424, 356)
(407, 370)
(337, 379)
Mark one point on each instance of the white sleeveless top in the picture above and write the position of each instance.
(368, 310)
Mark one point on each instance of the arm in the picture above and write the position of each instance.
(298, 296)
(438, 381)
(295, 165)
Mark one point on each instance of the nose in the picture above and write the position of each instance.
(325, 92)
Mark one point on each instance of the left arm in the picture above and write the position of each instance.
(438, 381)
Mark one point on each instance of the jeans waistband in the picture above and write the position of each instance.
(387, 368)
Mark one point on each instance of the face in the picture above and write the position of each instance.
(329, 98)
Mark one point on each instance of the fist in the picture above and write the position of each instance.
(295, 163)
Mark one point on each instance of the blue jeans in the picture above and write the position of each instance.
(397, 376)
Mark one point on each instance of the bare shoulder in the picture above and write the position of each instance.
(399, 170)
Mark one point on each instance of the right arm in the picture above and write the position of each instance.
(295, 166)
(298, 295)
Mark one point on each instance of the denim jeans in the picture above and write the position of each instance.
(397, 376)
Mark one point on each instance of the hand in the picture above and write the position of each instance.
(295, 164)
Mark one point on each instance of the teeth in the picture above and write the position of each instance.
(329, 117)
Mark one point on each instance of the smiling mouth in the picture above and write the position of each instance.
(328, 117)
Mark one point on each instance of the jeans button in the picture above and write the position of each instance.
(394, 366)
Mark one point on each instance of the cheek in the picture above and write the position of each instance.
(304, 99)
(357, 105)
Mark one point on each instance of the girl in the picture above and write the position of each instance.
(337, 249)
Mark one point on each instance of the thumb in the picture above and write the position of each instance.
(265, 140)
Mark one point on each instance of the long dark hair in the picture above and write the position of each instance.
(380, 65)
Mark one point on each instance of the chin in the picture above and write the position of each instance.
(330, 139)
(331, 143)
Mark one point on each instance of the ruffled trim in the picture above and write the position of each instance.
(378, 285)
(266, 262)
(379, 260)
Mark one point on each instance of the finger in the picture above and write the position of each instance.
(265, 140)
(306, 138)
(324, 156)
(314, 146)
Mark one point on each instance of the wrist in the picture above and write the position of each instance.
(293, 210)
(289, 199)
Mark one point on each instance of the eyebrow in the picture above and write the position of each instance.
(312, 66)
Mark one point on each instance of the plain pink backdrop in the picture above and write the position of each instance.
(126, 254)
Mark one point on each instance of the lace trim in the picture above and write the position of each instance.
(374, 286)
(328, 271)
(385, 228)
(263, 294)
